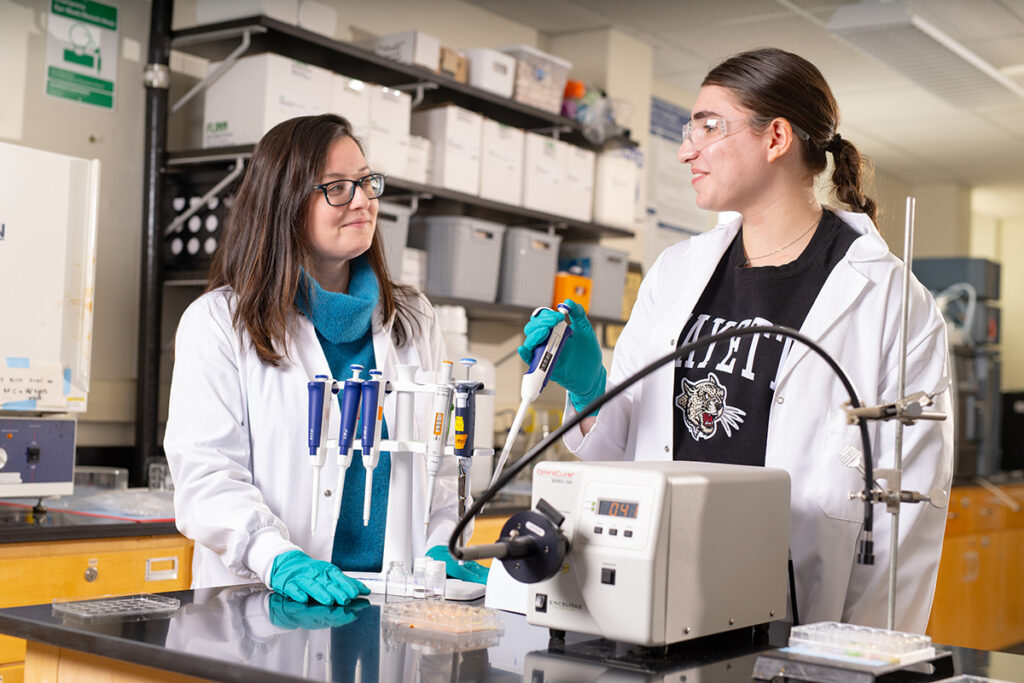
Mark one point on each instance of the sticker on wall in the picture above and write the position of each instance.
(81, 52)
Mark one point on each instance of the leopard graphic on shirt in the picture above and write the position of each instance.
(725, 392)
(704, 407)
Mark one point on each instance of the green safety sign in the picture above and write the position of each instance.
(81, 52)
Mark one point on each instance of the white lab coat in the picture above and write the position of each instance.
(236, 443)
(856, 319)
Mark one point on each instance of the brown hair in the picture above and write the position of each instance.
(265, 243)
(774, 83)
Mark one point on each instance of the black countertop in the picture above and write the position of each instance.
(20, 524)
(246, 633)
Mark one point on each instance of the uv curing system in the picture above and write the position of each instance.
(654, 553)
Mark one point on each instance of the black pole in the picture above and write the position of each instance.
(157, 81)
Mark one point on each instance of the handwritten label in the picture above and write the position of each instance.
(41, 384)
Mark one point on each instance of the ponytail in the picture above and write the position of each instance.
(848, 176)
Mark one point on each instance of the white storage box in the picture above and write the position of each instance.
(414, 268)
(492, 70)
(463, 255)
(393, 226)
(410, 47)
(455, 135)
(317, 17)
(501, 163)
(614, 191)
(540, 77)
(543, 173)
(578, 197)
(213, 11)
(258, 93)
(390, 110)
(529, 260)
(387, 143)
(606, 267)
(350, 98)
(386, 152)
(417, 165)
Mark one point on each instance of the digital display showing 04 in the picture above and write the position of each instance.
(616, 508)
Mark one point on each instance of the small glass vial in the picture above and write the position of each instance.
(395, 583)
(418, 586)
(435, 576)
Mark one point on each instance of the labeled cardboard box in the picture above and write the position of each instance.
(501, 163)
(350, 98)
(455, 136)
(259, 92)
(543, 173)
(409, 47)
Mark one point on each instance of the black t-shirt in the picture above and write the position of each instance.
(724, 391)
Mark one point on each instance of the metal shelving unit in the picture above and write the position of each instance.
(255, 35)
(217, 41)
(508, 214)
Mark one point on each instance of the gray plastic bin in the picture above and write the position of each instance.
(607, 267)
(463, 255)
(529, 260)
(393, 226)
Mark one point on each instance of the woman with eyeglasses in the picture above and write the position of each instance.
(764, 127)
(298, 288)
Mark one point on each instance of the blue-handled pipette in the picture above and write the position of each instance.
(536, 378)
(320, 391)
(350, 393)
(373, 418)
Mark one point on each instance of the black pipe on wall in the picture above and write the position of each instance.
(157, 81)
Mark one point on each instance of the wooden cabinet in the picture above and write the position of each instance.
(36, 573)
(979, 595)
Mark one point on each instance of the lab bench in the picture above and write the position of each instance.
(240, 633)
(67, 555)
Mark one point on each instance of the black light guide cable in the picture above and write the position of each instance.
(865, 552)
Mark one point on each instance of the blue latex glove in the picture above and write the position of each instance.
(286, 613)
(579, 367)
(467, 571)
(300, 577)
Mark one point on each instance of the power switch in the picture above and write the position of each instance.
(33, 453)
(608, 576)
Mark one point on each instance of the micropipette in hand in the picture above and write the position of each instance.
(350, 393)
(320, 391)
(536, 378)
(440, 415)
(373, 418)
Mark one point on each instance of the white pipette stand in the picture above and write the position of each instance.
(405, 388)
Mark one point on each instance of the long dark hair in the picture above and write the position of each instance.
(266, 244)
(774, 83)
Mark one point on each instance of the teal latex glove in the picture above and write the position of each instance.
(300, 577)
(286, 613)
(579, 368)
(467, 571)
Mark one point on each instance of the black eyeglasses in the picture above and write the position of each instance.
(341, 192)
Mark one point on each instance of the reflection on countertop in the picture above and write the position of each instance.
(88, 514)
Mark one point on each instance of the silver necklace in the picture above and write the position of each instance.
(784, 246)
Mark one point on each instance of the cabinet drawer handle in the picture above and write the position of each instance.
(972, 569)
(161, 574)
